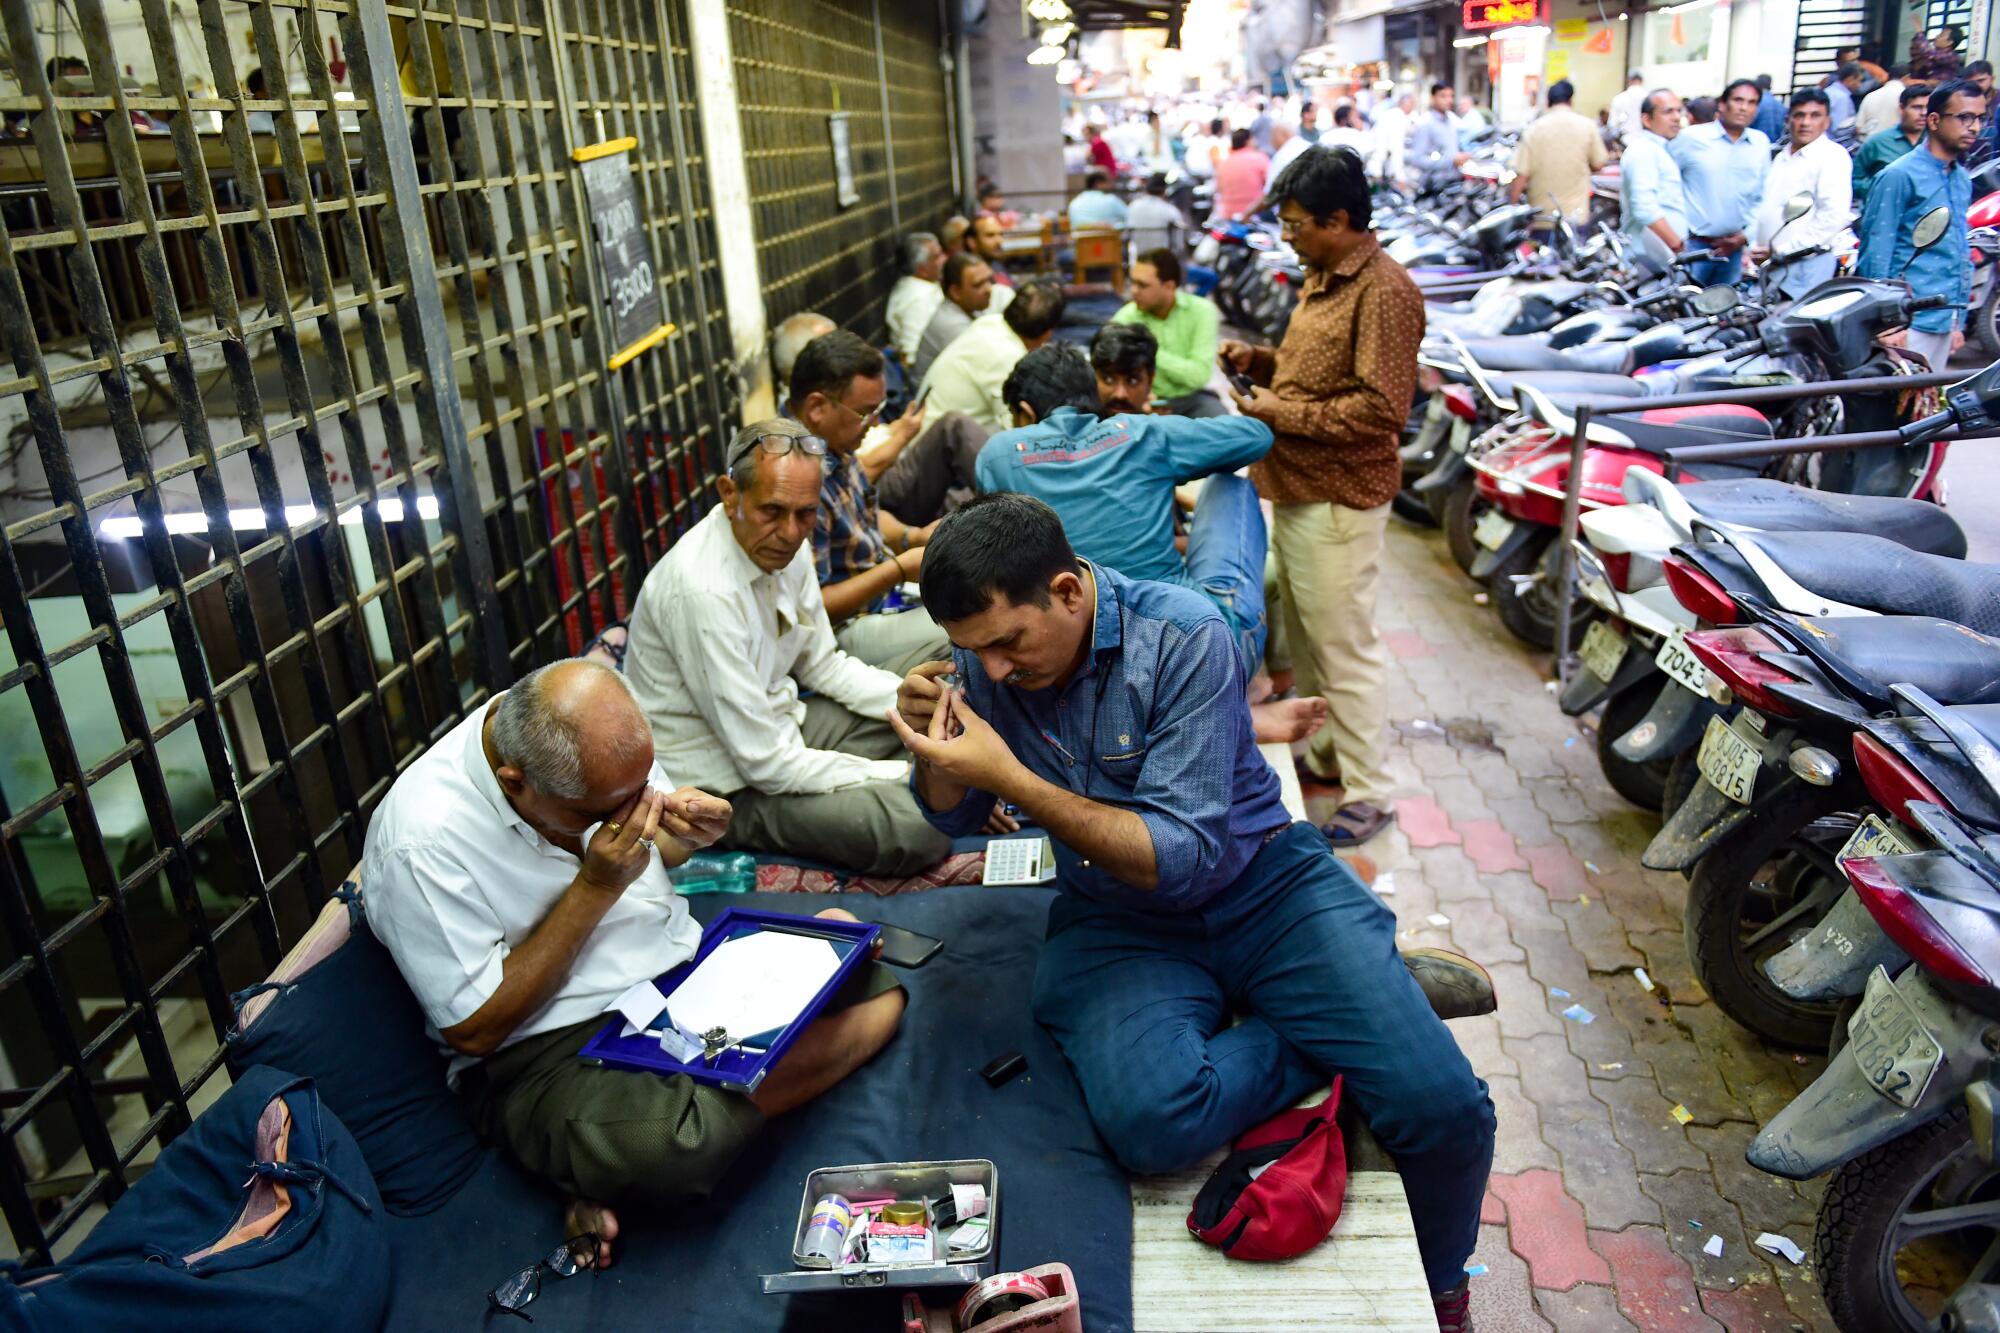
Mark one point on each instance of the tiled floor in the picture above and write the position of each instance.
(1601, 1201)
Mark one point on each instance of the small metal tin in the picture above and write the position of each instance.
(903, 1181)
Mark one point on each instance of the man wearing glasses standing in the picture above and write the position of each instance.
(730, 631)
(1335, 394)
(1930, 176)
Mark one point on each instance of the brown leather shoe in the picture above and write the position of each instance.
(1456, 986)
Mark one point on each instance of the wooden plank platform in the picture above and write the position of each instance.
(1366, 1275)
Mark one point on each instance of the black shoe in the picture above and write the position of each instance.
(1456, 986)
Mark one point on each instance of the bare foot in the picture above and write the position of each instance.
(1281, 681)
(1260, 689)
(586, 1218)
(1287, 720)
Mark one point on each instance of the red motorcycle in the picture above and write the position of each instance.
(1830, 334)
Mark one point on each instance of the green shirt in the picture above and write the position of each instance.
(1878, 152)
(1187, 338)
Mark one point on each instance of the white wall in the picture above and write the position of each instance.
(1016, 109)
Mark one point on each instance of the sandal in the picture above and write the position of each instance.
(1355, 823)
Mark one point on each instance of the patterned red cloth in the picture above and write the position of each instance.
(958, 868)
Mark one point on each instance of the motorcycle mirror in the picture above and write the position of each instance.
(1930, 227)
(1798, 206)
(1717, 300)
(1975, 400)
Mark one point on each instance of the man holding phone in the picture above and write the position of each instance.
(1112, 712)
(1335, 393)
(517, 873)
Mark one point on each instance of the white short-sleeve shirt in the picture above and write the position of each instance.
(453, 879)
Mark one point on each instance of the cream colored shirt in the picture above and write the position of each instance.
(718, 652)
(912, 302)
(1557, 153)
(968, 374)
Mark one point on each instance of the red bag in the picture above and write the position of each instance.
(1294, 1197)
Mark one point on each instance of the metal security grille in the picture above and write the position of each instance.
(309, 448)
(797, 63)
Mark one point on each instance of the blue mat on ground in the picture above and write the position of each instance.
(1062, 1197)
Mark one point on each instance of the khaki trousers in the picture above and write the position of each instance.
(1326, 559)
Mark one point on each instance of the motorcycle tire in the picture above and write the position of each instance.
(1529, 610)
(1866, 1200)
(1644, 785)
(1412, 508)
(1459, 512)
(1985, 327)
(1719, 891)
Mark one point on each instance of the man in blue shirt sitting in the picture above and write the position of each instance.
(1111, 711)
(1112, 482)
(1928, 177)
(1095, 205)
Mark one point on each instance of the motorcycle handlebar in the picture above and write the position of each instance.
(1929, 302)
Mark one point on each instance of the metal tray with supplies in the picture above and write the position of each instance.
(905, 1180)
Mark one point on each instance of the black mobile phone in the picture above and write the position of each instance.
(907, 948)
(1238, 381)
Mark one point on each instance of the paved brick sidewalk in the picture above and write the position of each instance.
(1601, 1200)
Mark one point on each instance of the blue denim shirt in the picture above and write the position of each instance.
(1771, 114)
(1723, 178)
(1155, 722)
(1113, 480)
(1908, 188)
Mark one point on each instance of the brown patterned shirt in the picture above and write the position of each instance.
(1345, 376)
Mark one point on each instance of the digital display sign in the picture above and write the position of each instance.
(1482, 14)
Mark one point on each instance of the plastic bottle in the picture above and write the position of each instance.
(826, 1236)
(716, 872)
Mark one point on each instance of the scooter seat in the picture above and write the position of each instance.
(1534, 353)
(1875, 574)
(1871, 653)
(1568, 388)
(1778, 506)
(1665, 428)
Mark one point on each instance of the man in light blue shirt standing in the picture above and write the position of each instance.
(1932, 175)
(1840, 91)
(1652, 200)
(1095, 205)
(1722, 173)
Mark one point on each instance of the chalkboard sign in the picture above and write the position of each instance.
(631, 289)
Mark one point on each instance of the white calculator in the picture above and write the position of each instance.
(1029, 860)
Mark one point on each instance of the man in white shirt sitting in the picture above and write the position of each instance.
(728, 629)
(967, 376)
(916, 295)
(517, 873)
(1813, 165)
(1153, 220)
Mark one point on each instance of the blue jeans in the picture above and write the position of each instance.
(1708, 272)
(1225, 561)
(1141, 1002)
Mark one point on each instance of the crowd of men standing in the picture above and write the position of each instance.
(1778, 181)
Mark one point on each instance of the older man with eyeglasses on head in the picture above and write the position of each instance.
(730, 632)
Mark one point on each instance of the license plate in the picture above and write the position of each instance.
(1603, 650)
(1729, 762)
(1675, 659)
(1492, 529)
(1896, 1052)
(1875, 837)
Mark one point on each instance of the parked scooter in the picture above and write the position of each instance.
(1903, 1116)
(1777, 802)
(1631, 657)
